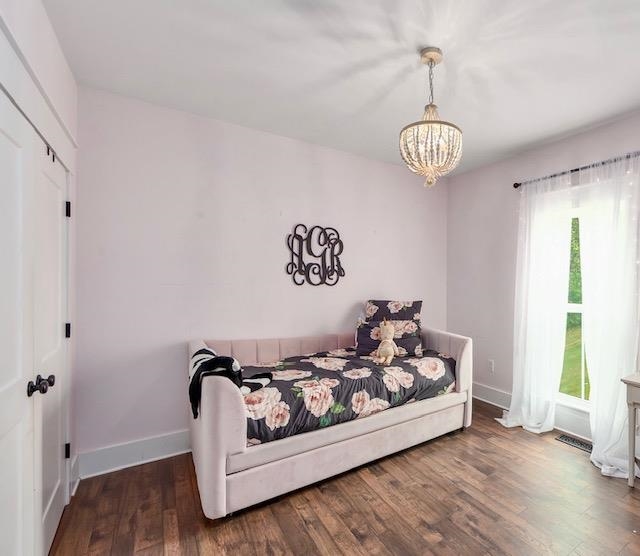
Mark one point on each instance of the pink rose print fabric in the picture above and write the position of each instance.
(328, 388)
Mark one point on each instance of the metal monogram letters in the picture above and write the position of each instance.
(315, 255)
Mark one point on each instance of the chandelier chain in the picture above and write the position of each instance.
(431, 82)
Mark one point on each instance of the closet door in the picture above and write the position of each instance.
(49, 343)
(33, 312)
(18, 162)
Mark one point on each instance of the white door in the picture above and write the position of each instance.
(49, 342)
(18, 147)
(33, 311)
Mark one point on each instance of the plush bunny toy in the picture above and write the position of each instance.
(387, 348)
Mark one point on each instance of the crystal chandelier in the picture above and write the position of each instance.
(431, 147)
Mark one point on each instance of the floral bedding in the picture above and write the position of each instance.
(310, 392)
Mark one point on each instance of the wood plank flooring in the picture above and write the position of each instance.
(488, 490)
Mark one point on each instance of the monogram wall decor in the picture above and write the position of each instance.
(314, 255)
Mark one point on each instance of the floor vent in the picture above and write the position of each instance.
(575, 442)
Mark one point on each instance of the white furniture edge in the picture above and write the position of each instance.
(219, 433)
(632, 384)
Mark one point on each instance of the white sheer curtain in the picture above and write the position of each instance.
(542, 279)
(608, 198)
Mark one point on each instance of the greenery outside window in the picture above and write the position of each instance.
(575, 375)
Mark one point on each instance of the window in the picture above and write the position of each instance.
(575, 376)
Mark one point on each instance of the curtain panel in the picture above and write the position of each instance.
(609, 203)
(542, 275)
(606, 199)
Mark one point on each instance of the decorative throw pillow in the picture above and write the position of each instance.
(377, 310)
(407, 338)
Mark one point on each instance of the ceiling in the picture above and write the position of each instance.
(345, 73)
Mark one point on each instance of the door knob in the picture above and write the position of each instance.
(32, 388)
(41, 385)
(50, 380)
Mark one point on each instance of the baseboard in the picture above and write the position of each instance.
(573, 421)
(75, 475)
(491, 395)
(112, 458)
(570, 420)
(119, 456)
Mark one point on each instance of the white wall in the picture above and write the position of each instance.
(482, 240)
(181, 234)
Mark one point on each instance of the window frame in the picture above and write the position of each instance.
(562, 398)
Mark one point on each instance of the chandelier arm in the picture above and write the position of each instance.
(443, 145)
(415, 155)
(431, 81)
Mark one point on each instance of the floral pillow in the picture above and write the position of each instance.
(377, 310)
(407, 337)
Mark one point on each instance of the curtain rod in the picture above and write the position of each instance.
(593, 165)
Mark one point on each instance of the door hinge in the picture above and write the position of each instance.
(51, 153)
(67, 209)
(67, 450)
(67, 330)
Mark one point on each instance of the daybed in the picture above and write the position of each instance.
(232, 476)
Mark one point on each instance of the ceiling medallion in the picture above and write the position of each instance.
(431, 147)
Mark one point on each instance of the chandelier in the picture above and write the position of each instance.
(431, 147)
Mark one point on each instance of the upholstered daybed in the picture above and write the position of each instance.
(232, 475)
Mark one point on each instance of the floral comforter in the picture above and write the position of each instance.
(314, 391)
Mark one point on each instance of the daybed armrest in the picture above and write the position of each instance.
(219, 430)
(461, 349)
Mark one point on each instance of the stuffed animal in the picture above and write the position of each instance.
(387, 348)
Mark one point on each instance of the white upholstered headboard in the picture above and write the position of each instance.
(254, 352)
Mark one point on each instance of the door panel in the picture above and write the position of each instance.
(49, 315)
(11, 458)
(17, 173)
(33, 310)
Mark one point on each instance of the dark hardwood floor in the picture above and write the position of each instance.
(488, 490)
